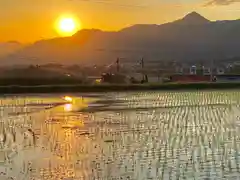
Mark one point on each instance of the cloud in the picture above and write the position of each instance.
(221, 2)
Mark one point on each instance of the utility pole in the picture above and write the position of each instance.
(142, 66)
(117, 62)
(211, 76)
(142, 63)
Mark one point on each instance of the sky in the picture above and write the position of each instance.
(31, 20)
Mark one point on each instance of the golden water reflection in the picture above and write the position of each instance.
(68, 98)
(182, 135)
(68, 107)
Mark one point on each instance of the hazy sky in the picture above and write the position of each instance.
(31, 20)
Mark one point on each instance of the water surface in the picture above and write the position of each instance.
(134, 135)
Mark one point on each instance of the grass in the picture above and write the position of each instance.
(13, 89)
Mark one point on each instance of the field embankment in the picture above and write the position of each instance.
(71, 88)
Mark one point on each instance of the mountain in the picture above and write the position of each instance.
(191, 38)
(193, 18)
(9, 47)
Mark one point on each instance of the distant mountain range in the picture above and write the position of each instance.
(188, 39)
(7, 48)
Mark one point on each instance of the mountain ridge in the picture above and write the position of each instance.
(192, 37)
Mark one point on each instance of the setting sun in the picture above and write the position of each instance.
(67, 25)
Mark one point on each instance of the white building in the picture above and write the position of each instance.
(193, 70)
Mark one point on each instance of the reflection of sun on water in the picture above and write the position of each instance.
(60, 143)
(68, 107)
(68, 98)
(65, 137)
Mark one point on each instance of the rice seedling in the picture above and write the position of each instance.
(178, 135)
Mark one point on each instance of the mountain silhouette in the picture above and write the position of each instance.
(9, 47)
(190, 38)
(193, 18)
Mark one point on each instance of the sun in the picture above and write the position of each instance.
(67, 25)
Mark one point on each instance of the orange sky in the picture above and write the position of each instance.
(28, 20)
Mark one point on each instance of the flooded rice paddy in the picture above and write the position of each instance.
(128, 136)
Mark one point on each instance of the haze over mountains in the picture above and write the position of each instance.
(191, 38)
(9, 47)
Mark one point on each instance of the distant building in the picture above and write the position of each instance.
(228, 78)
(206, 70)
(179, 70)
(93, 79)
(190, 78)
(220, 71)
(193, 70)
